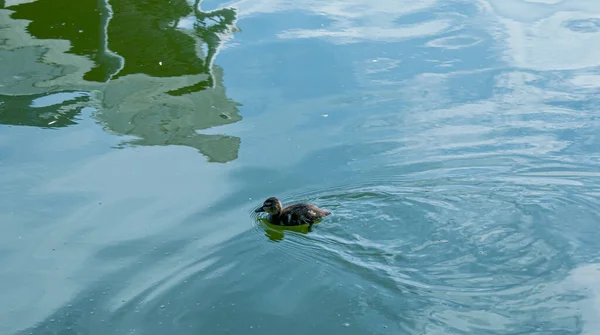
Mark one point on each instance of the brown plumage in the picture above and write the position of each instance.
(291, 215)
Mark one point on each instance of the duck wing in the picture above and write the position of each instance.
(303, 213)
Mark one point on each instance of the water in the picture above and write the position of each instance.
(455, 142)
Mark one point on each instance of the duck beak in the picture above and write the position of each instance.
(259, 210)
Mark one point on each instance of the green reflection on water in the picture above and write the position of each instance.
(277, 233)
(147, 74)
(21, 110)
(79, 22)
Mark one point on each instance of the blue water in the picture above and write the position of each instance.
(455, 142)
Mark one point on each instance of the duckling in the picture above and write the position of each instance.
(291, 215)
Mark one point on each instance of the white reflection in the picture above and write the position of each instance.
(582, 282)
(354, 20)
(586, 81)
(10, 3)
(355, 34)
(341, 9)
(547, 35)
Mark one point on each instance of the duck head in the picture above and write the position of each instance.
(272, 206)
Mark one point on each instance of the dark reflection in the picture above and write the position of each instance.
(157, 85)
(168, 120)
(80, 22)
(47, 110)
(277, 233)
(139, 36)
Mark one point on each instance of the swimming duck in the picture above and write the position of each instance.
(292, 215)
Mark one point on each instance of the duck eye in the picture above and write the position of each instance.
(268, 203)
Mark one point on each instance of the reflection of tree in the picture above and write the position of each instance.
(22, 110)
(222, 20)
(137, 107)
(80, 22)
(172, 88)
(143, 33)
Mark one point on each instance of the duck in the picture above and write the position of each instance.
(292, 215)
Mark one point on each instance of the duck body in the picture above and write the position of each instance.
(291, 215)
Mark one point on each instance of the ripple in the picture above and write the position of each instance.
(591, 25)
(455, 42)
(452, 241)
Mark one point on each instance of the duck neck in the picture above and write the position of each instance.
(275, 217)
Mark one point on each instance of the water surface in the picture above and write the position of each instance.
(455, 142)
